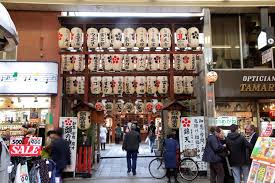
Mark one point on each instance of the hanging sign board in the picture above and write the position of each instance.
(69, 124)
(226, 120)
(192, 139)
(24, 150)
(267, 55)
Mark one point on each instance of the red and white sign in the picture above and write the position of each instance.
(272, 113)
(35, 141)
(16, 140)
(25, 150)
(268, 131)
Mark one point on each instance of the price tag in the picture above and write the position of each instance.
(36, 141)
(16, 140)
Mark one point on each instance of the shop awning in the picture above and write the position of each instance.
(8, 34)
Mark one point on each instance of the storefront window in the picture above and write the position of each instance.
(251, 29)
(226, 41)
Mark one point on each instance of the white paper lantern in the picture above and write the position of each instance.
(71, 85)
(153, 37)
(174, 119)
(83, 120)
(130, 60)
(80, 84)
(165, 38)
(104, 38)
(141, 37)
(94, 62)
(96, 85)
(129, 84)
(116, 62)
(141, 62)
(66, 63)
(141, 85)
(178, 62)
(129, 38)
(212, 77)
(92, 38)
(119, 106)
(188, 84)
(79, 62)
(129, 107)
(118, 85)
(107, 85)
(64, 38)
(153, 62)
(178, 84)
(162, 84)
(164, 63)
(193, 37)
(116, 38)
(182, 37)
(151, 84)
(109, 106)
(76, 37)
(106, 60)
(140, 107)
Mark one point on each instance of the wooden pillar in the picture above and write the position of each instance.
(171, 69)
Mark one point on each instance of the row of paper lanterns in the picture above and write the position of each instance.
(118, 62)
(128, 38)
(129, 85)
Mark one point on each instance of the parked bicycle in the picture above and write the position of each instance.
(188, 168)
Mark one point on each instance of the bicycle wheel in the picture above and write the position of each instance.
(188, 169)
(157, 168)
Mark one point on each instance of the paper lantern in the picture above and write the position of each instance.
(83, 120)
(66, 63)
(71, 85)
(164, 63)
(96, 85)
(141, 62)
(116, 62)
(79, 62)
(178, 62)
(188, 84)
(93, 62)
(159, 106)
(141, 41)
(119, 107)
(129, 38)
(104, 38)
(92, 38)
(118, 85)
(116, 38)
(129, 107)
(153, 37)
(99, 106)
(107, 85)
(151, 84)
(212, 77)
(162, 84)
(149, 106)
(165, 38)
(106, 60)
(129, 85)
(178, 84)
(153, 62)
(130, 61)
(193, 37)
(109, 107)
(140, 107)
(64, 38)
(174, 119)
(76, 37)
(141, 85)
(182, 37)
(80, 85)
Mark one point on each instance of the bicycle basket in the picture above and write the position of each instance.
(190, 152)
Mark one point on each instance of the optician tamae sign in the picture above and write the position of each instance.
(28, 77)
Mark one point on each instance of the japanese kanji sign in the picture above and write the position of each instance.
(69, 124)
(192, 138)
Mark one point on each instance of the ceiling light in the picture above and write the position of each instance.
(35, 99)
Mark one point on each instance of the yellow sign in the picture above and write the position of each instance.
(257, 87)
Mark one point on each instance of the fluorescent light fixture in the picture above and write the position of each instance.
(133, 14)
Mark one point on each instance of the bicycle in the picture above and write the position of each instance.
(188, 168)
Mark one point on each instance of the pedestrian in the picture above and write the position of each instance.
(118, 133)
(4, 162)
(103, 136)
(137, 127)
(131, 145)
(211, 155)
(170, 153)
(60, 152)
(152, 135)
(250, 130)
(238, 158)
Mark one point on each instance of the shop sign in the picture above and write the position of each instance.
(226, 120)
(272, 113)
(267, 56)
(267, 131)
(36, 141)
(25, 150)
(192, 139)
(16, 140)
(69, 125)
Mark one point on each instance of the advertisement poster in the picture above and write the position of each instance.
(264, 150)
(69, 124)
(261, 173)
(192, 138)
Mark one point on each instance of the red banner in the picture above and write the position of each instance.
(25, 150)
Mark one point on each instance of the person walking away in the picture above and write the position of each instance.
(103, 136)
(60, 152)
(211, 155)
(170, 151)
(238, 158)
(250, 130)
(131, 145)
(152, 135)
(137, 127)
(118, 133)
(4, 161)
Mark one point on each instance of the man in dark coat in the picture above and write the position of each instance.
(250, 130)
(238, 158)
(211, 155)
(131, 145)
(61, 154)
(170, 153)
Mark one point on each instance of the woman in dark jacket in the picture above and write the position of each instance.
(211, 155)
(170, 160)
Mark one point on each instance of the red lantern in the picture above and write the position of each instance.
(159, 106)
(149, 106)
(99, 106)
(272, 113)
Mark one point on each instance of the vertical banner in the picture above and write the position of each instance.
(192, 139)
(69, 124)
